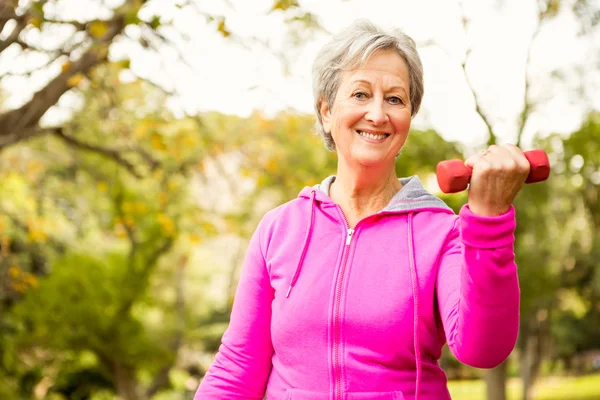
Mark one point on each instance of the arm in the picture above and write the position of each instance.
(242, 366)
(478, 288)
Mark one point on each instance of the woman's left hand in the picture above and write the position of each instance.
(498, 174)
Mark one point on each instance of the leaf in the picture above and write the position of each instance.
(125, 64)
(98, 29)
(38, 7)
(102, 187)
(157, 142)
(75, 80)
(155, 23)
(196, 239)
(35, 21)
(222, 29)
(284, 5)
(131, 18)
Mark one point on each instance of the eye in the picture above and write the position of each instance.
(395, 100)
(360, 95)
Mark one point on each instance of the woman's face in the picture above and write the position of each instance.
(371, 114)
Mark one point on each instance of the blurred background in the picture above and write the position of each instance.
(141, 142)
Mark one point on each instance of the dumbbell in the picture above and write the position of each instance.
(454, 176)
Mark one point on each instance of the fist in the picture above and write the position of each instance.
(498, 174)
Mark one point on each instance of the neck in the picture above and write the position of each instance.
(362, 191)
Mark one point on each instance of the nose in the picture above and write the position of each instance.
(376, 113)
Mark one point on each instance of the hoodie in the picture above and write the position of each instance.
(325, 311)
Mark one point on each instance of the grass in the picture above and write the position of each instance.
(551, 388)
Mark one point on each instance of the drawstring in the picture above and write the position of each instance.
(415, 290)
(413, 278)
(306, 240)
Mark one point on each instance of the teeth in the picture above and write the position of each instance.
(371, 136)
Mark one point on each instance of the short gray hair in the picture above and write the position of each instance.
(351, 49)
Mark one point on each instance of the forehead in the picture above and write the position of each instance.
(384, 66)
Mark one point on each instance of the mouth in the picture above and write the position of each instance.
(373, 136)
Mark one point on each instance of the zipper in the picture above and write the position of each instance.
(337, 364)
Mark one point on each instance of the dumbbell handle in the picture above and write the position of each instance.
(454, 176)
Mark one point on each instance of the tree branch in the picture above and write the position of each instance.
(14, 35)
(15, 123)
(113, 154)
(7, 13)
(527, 104)
(492, 139)
(130, 234)
(53, 242)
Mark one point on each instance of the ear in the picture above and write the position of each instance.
(325, 115)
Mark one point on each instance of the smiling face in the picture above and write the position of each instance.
(371, 114)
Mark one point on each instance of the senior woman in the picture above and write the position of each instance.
(351, 290)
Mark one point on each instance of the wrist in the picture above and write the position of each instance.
(488, 211)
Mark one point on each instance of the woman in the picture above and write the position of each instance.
(351, 290)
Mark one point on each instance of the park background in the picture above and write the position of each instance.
(141, 142)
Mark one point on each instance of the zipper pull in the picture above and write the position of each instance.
(349, 236)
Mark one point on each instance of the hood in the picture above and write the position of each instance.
(411, 197)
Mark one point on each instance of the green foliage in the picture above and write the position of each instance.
(582, 388)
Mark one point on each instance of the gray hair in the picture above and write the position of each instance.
(351, 49)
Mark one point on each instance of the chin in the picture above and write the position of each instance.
(373, 160)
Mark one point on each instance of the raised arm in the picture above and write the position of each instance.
(241, 367)
(478, 288)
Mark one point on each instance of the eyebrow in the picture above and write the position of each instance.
(369, 83)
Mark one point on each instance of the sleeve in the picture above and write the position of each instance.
(478, 289)
(242, 366)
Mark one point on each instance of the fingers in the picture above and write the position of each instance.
(523, 165)
(506, 158)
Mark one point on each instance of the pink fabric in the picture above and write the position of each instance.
(348, 329)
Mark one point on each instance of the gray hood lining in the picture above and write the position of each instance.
(411, 196)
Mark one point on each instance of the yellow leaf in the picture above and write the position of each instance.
(75, 80)
(166, 223)
(126, 207)
(37, 235)
(120, 231)
(196, 239)
(129, 221)
(140, 208)
(284, 4)
(14, 272)
(271, 165)
(102, 187)
(98, 29)
(163, 198)
(223, 29)
(173, 186)
(35, 21)
(157, 143)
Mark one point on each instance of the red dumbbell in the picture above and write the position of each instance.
(454, 176)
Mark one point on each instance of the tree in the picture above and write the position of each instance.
(587, 14)
(87, 45)
(85, 244)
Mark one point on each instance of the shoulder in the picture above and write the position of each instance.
(284, 219)
(436, 225)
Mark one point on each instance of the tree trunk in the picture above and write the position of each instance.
(126, 384)
(495, 381)
(526, 361)
(532, 349)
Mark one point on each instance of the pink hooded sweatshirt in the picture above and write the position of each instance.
(323, 311)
